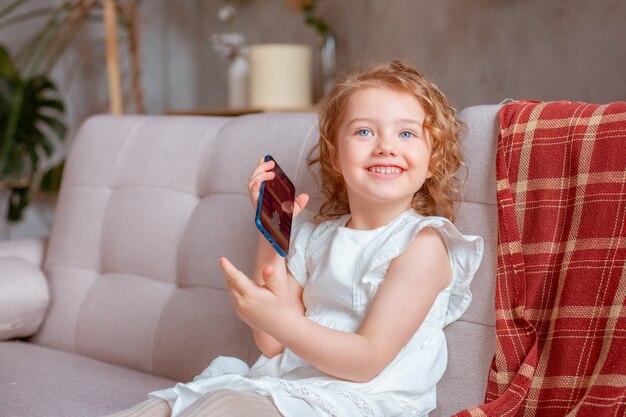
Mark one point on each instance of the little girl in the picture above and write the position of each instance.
(352, 323)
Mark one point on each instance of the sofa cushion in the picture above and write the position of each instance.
(470, 350)
(41, 382)
(24, 294)
(471, 339)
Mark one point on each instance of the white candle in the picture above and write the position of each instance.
(280, 76)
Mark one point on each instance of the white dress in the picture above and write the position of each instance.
(340, 270)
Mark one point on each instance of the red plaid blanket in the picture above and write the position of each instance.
(561, 275)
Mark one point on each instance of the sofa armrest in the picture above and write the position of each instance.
(30, 249)
(24, 294)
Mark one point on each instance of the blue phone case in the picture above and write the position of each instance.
(278, 233)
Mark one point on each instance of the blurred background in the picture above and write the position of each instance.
(178, 56)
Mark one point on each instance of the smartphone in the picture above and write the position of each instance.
(274, 210)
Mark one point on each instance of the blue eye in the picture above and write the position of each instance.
(406, 135)
(364, 132)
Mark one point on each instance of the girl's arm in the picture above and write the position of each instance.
(412, 283)
(268, 257)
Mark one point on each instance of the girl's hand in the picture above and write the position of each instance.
(263, 172)
(260, 306)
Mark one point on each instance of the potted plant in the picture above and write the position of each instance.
(31, 108)
(31, 129)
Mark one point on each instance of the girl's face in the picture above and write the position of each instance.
(383, 152)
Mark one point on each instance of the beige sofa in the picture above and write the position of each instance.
(128, 289)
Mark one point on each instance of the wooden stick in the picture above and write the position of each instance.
(113, 66)
(133, 46)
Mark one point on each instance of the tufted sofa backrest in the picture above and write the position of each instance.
(471, 339)
(148, 205)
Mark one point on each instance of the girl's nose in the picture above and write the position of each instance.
(385, 145)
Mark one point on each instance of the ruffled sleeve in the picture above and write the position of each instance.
(465, 252)
(301, 231)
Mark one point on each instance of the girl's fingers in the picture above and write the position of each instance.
(261, 173)
(300, 203)
(261, 167)
(235, 279)
(269, 278)
(263, 176)
(277, 284)
(254, 187)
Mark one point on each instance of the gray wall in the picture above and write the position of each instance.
(477, 51)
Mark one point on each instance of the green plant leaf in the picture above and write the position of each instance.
(51, 181)
(33, 14)
(40, 84)
(38, 141)
(35, 52)
(55, 124)
(10, 7)
(10, 131)
(53, 103)
(13, 171)
(7, 67)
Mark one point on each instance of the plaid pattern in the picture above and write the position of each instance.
(561, 274)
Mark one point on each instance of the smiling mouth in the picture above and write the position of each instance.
(385, 170)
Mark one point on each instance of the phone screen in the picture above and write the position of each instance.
(275, 209)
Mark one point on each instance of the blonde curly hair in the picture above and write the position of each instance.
(440, 192)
